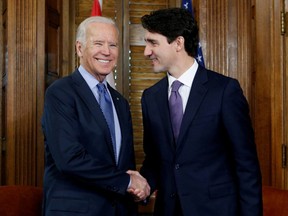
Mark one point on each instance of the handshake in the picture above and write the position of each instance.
(139, 187)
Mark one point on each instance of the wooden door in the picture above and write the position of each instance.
(268, 89)
(3, 93)
(284, 152)
(23, 55)
(21, 92)
(53, 46)
(59, 39)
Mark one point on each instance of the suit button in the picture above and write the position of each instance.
(172, 195)
(177, 166)
(114, 188)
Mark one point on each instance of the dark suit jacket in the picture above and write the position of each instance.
(213, 168)
(81, 176)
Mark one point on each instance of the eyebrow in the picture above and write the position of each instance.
(103, 41)
(150, 40)
(97, 41)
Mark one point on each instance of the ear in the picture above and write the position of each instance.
(179, 43)
(79, 48)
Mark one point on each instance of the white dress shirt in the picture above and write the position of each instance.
(187, 79)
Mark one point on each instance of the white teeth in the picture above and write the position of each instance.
(103, 61)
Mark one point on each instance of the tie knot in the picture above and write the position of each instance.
(176, 85)
(101, 87)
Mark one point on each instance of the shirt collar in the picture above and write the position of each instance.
(90, 80)
(187, 77)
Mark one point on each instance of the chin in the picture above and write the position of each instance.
(157, 69)
(106, 72)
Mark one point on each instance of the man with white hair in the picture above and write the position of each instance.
(89, 154)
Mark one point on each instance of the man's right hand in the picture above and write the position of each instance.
(139, 187)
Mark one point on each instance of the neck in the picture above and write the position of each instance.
(182, 67)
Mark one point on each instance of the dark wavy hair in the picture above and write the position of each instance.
(172, 23)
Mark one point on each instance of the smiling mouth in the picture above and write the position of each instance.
(154, 60)
(103, 61)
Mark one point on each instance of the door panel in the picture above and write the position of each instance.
(53, 40)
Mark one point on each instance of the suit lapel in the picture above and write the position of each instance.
(161, 97)
(196, 96)
(118, 107)
(87, 96)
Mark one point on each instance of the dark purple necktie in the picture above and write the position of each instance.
(106, 106)
(176, 108)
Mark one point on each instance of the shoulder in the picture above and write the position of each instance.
(158, 86)
(217, 79)
(62, 85)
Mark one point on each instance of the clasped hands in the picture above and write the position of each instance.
(139, 187)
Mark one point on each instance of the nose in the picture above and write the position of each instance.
(105, 49)
(147, 51)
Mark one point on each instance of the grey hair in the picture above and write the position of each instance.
(82, 28)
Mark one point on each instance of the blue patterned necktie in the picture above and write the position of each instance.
(176, 108)
(106, 106)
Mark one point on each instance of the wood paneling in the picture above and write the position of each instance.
(40, 91)
(3, 95)
(225, 35)
(238, 40)
(141, 75)
(268, 89)
(53, 48)
(22, 88)
(285, 93)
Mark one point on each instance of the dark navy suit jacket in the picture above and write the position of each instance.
(213, 168)
(81, 176)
